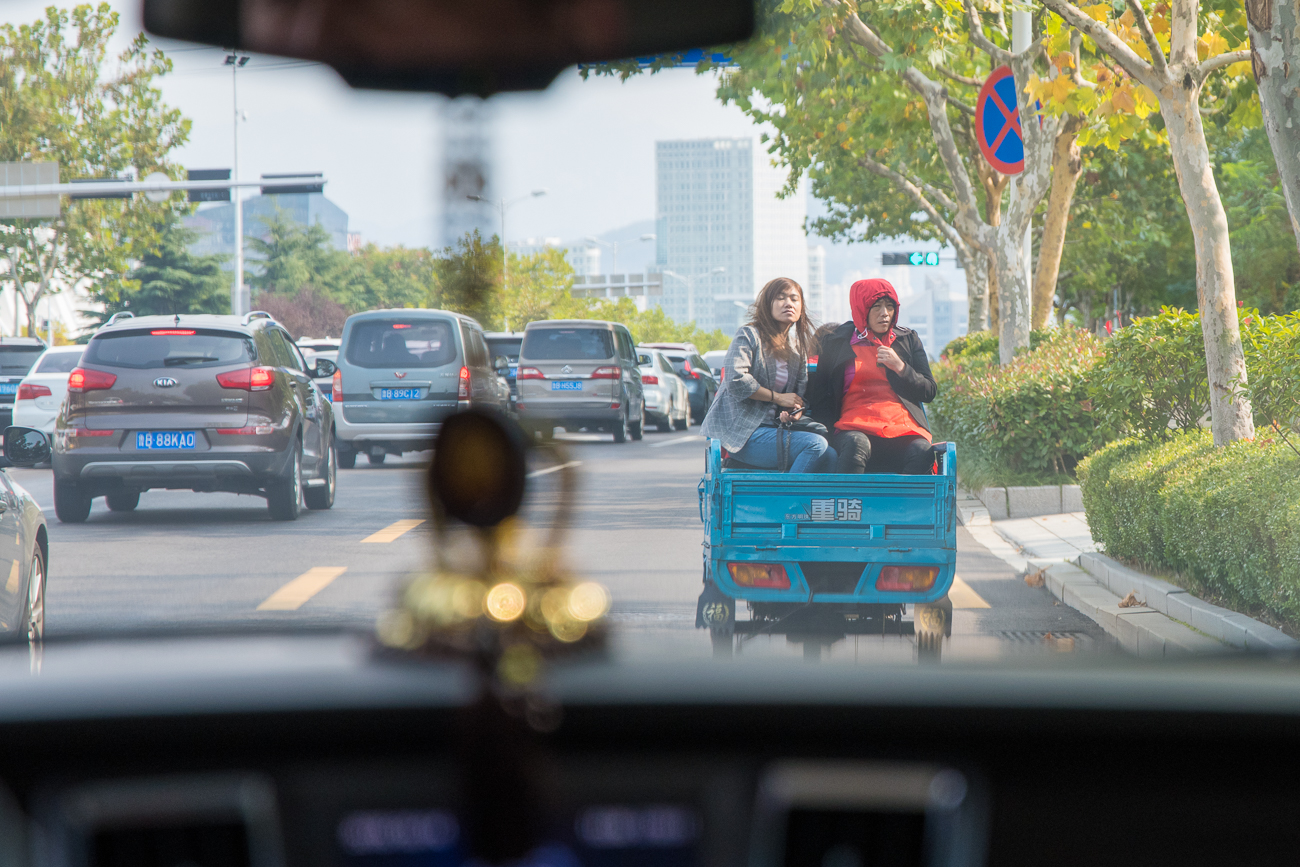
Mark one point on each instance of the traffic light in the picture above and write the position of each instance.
(208, 175)
(290, 189)
(915, 258)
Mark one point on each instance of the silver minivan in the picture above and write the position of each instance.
(580, 373)
(400, 373)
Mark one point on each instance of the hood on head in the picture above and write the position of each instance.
(864, 294)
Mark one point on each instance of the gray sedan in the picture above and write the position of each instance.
(667, 402)
(25, 559)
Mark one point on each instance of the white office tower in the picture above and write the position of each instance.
(721, 232)
(814, 291)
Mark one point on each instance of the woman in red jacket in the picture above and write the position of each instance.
(872, 377)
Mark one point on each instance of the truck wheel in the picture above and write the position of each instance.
(123, 501)
(70, 503)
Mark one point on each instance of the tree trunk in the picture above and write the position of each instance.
(1013, 292)
(1067, 166)
(993, 211)
(976, 269)
(1275, 59)
(1216, 294)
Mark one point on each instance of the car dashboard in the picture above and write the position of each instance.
(287, 751)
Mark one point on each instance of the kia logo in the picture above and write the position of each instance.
(399, 375)
(165, 382)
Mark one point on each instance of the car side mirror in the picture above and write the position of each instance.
(500, 363)
(324, 367)
(26, 447)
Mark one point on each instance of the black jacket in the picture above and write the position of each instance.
(914, 386)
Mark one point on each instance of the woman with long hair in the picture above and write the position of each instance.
(872, 377)
(764, 377)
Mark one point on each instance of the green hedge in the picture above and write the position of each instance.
(1030, 419)
(1226, 519)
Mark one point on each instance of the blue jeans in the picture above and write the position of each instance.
(809, 452)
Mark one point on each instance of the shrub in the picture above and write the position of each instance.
(1031, 416)
(1151, 377)
(1272, 345)
(1226, 519)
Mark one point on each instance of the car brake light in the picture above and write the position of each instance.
(400, 325)
(31, 392)
(86, 432)
(606, 373)
(87, 379)
(771, 576)
(649, 379)
(907, 577)
(336, 391)
(529, 373)
(248, 378)
(173, 332)
(462, 389)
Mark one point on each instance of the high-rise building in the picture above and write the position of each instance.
(814, 291)
(721, 231)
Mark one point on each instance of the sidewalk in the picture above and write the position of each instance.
(1148, 616)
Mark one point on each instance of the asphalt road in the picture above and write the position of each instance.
(186, 561)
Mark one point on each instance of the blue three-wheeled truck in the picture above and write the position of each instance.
(821, 556)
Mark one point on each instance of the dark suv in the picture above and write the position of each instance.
(202, 403)
(17, 355)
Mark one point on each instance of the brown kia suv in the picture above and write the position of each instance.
(202, 403)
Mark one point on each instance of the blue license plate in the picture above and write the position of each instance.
(164, 439)
(8, 388)
(566, 385)
(399, 394)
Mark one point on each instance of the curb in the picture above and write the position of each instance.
(1030, 502)
(1229, 627)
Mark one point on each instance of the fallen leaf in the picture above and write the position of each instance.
(1132, 601)
(1036, 579)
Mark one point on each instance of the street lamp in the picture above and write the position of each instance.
(614, 244)
(690, 288)
(502, 205)
(236, 62)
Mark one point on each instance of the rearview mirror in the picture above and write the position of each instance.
(26, 447)
(450, 46)
(324, 367)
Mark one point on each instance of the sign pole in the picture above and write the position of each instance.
(1022, 25)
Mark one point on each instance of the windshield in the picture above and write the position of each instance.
(992, 422)
(412, 342)
(169, 347)
(571, 344)
(58, 362)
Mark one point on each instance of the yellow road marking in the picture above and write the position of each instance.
(393, 530)
(961, 596)
(291, 596)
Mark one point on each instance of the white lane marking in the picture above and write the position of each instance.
(393, 530)
(555, 469)
(961, 595)
(693, 438)
(291, 596)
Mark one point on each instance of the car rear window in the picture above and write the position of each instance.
(169, 347)
(677, 361)
(507, 346)
(17, 360)
(59, 362)
(401, 343)
(564, 344)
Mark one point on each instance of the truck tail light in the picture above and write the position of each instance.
(336, 388)
(607, 373)
(907, 577)
(770, 576)
(87, 379)
(248, 378)
(649, 379)
(31, 392)
(529, 373)
(462, 388)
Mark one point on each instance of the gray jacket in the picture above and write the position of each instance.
(735, 416)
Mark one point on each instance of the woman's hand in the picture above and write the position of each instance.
(888, 357)
(784, 418)
(787, 400)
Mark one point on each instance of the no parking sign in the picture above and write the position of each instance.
(997, 123)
